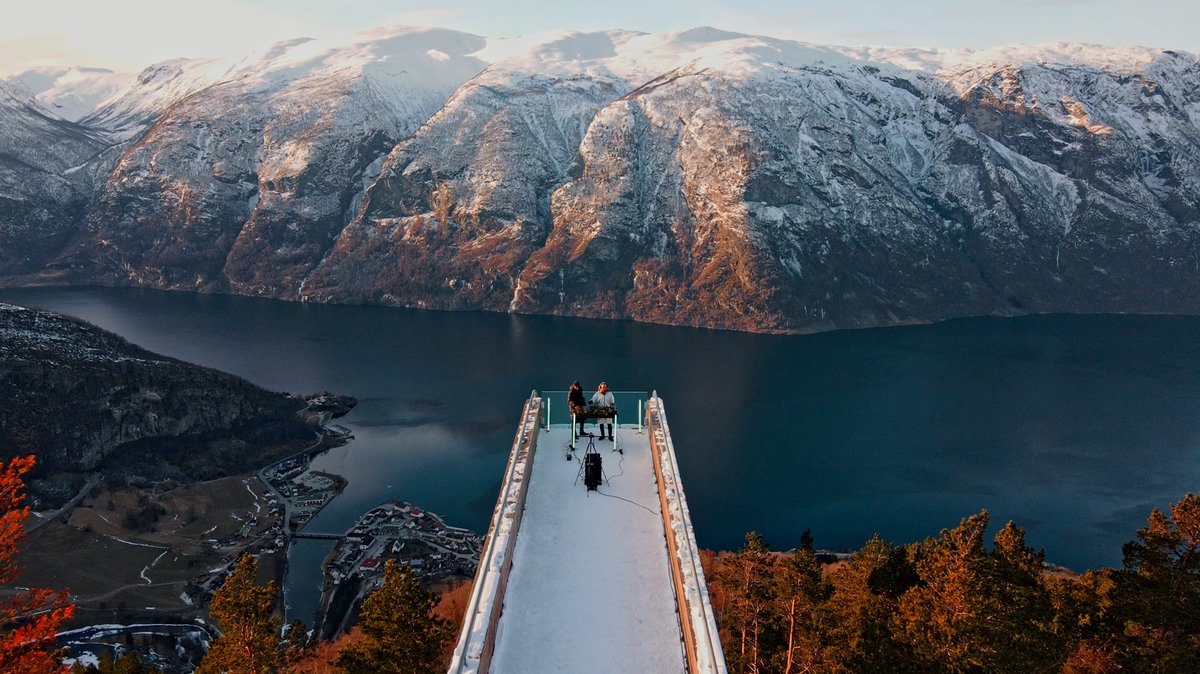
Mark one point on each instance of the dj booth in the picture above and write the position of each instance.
(593, 412)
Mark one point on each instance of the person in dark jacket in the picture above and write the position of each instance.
(575, 401)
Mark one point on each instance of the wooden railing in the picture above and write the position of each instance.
(477, 641)
(701, 641)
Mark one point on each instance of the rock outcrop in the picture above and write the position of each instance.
(85, 400)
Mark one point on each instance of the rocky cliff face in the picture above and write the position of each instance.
(701, 178)
(48, 171)
(85, 400)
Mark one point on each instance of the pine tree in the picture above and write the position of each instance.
(859, 612)
(1158, 596)
(401, 635)
(979, 611)
(30, 619)
(799, 592)
(249, 641)
(745, 578)
(296, 642)
(129, 663)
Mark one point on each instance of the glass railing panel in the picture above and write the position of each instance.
(631, 405)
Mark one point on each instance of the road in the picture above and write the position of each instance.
(287, 505)
(87, 489)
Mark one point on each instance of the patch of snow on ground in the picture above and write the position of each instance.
(140, 545)
(88, 659)
(151, 565)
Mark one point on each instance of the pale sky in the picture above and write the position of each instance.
(132, 34)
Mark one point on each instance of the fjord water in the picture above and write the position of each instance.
(1075, 427)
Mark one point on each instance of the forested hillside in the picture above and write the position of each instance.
(951, 604)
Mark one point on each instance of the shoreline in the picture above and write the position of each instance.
(284, 567)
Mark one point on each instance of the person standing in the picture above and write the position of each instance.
(575, 403)
(603, 398)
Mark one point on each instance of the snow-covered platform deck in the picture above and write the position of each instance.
(579, 581)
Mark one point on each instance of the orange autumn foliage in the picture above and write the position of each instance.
(30, 619)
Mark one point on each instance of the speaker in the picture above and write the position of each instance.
(592, 473)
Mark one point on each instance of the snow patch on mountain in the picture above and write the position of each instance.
(409, 69)
(72, 93)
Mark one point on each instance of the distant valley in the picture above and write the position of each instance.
(697, 178)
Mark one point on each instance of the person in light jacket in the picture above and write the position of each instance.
(602, 398)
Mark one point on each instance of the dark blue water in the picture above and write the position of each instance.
(1073, 426)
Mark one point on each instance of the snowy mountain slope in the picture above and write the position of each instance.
(772, 186)
(699, 177)
(259, 168)
(73, 93)
(47, 169)
(399, 60)
(459, 207)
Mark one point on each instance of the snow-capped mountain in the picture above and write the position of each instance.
(700, 177)
(48, 170)
(72, 93)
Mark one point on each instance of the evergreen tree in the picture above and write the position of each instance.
(799, 592)
(400, 633)
(129, 663)
(860, 610)
(976, 611)
(249, 641)
(1158, 596)
(748, 599)
(949, 605)
(1084, 620)
(296, 641)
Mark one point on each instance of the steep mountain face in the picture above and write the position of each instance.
(702, 177)
(48, 169)
(83, 400)
(242, 185)
(459, 208)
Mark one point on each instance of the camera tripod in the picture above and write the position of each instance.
(591, 468)
(618, 445)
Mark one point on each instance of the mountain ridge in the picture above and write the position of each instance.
(699, 177)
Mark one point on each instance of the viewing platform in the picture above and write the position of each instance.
(583, 577)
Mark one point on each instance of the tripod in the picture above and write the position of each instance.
(591, 468)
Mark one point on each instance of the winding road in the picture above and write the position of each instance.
(87, 489)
